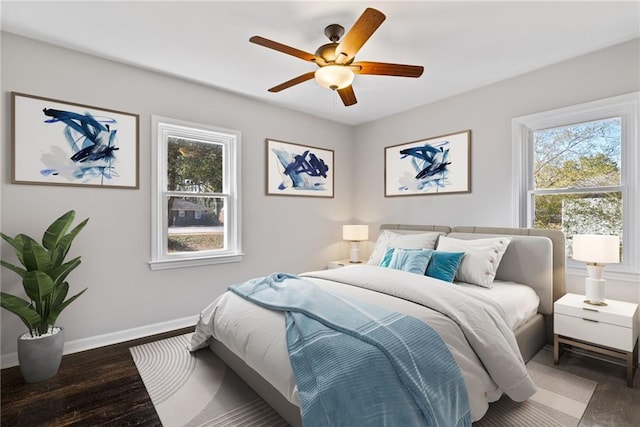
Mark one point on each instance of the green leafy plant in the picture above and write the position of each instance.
(43, 275)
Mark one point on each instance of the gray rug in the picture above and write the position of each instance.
(197, 389)
(560, 401)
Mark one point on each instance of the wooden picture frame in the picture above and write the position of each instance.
(298, 170)
(64, 143)
(437, 165)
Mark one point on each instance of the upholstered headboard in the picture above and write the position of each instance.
(534, 256)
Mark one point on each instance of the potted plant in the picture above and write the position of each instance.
(44, 272)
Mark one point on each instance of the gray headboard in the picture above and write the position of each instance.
(527, 256)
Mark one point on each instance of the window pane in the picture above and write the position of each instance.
(578, 156)
(596, 213)
(195, 224)
(194, 166)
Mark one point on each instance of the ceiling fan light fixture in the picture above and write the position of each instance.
(334, 77)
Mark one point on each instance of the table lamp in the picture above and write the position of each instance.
(355, 234)
(595, 251)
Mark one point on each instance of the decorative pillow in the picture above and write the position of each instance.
(481, 260)
(411, 260)
(380, 248)
(387, 239)
(444, 265)
(386, 259)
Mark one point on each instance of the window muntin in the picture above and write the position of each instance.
(196, 202)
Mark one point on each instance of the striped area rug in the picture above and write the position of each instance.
(197, 389)
(560, 401)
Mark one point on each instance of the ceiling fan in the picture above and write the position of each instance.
(336, 59)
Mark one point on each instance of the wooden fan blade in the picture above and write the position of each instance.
(348, 96)
(364, 27)
(293, 82)
(385, 69)
(284, 48)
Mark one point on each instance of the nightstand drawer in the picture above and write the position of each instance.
(595, 332)
(599, 314)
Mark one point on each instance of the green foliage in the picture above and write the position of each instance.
(557, 210)
(43, 275)
(194, 166)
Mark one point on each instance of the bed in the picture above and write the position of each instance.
(251, 341)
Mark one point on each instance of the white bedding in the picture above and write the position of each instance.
(257, 335)
(519, 302)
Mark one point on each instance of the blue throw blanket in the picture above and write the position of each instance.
(357, 364)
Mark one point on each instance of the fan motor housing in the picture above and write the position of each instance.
(328, 53)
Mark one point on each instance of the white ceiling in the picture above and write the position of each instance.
(462, 45)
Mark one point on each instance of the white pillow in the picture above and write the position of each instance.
(390, 239)
(481, 259)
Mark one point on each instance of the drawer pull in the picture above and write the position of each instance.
(590, 320)
(589, 309)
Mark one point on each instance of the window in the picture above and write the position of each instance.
(576, 170)
(196, 203)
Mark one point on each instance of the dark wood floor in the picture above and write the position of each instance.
(99, 387)
(102, 388)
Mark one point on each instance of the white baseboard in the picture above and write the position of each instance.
(11, 359)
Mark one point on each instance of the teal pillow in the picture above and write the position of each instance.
(444, 265)
(411, 260)
(386, 259)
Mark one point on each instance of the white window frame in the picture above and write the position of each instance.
(161, 129)
(624, 106)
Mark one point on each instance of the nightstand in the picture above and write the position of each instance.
(341, 263)
(610, 329)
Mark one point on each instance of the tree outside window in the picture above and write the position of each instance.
(577, 178)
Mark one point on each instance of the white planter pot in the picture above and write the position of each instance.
(40, 357)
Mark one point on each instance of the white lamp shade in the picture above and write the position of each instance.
(595, 248)
(355, 233)
(334, 76)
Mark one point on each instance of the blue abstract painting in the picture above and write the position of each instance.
(432, 166)
(63, 143)
(294, 169)
(92, 140)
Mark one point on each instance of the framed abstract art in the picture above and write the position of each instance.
(63, 143)
(437, 165)
(298, 170)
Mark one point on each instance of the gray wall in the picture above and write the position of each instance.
(279, 233)
(488, 112)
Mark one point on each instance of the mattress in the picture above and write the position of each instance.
(518, 302)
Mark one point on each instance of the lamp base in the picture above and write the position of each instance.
(355, 253)
(594, 291)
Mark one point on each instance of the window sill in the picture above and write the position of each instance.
(194, 262)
